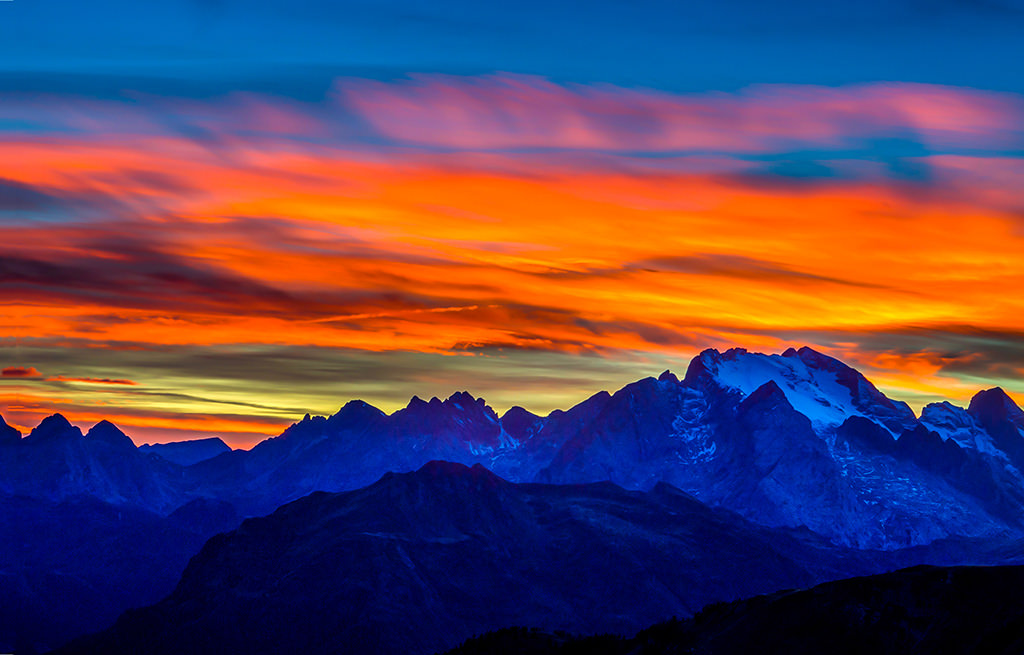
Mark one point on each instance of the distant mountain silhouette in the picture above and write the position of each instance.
(187, 453)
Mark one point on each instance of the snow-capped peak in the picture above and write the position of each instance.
(821, 388)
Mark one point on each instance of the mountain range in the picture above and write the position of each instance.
(796, 443)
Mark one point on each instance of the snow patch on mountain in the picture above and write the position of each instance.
(952, 422)
(814, 392)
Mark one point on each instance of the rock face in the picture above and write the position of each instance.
(417, 562)
(919, 610)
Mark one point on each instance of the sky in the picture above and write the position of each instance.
(217, 216)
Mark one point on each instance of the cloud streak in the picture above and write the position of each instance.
(121, 382)
(511, 112)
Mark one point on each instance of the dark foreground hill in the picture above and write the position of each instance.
(913, 611)
(418, 562)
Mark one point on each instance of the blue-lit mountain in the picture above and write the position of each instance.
(796, 439)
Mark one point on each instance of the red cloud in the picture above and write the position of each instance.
(20, 372)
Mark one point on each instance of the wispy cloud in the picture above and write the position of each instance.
(65, 378)
(512, 112)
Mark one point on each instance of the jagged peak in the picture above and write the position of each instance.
(54, 426)
(308, 424)
(460, 402)
(668, 376)
(464, 400)
(310, 419)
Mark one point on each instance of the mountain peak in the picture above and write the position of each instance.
(995, 405)
(812, 357)
(702, 367)
(477, 475)
(518, 413)
(463, 400)
(769, 392)
(54, 427)
(356, 411)
(107, 432)
(668, 376)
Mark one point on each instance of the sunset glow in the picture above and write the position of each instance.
(535, 242)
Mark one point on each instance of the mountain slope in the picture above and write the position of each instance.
(419, 561)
